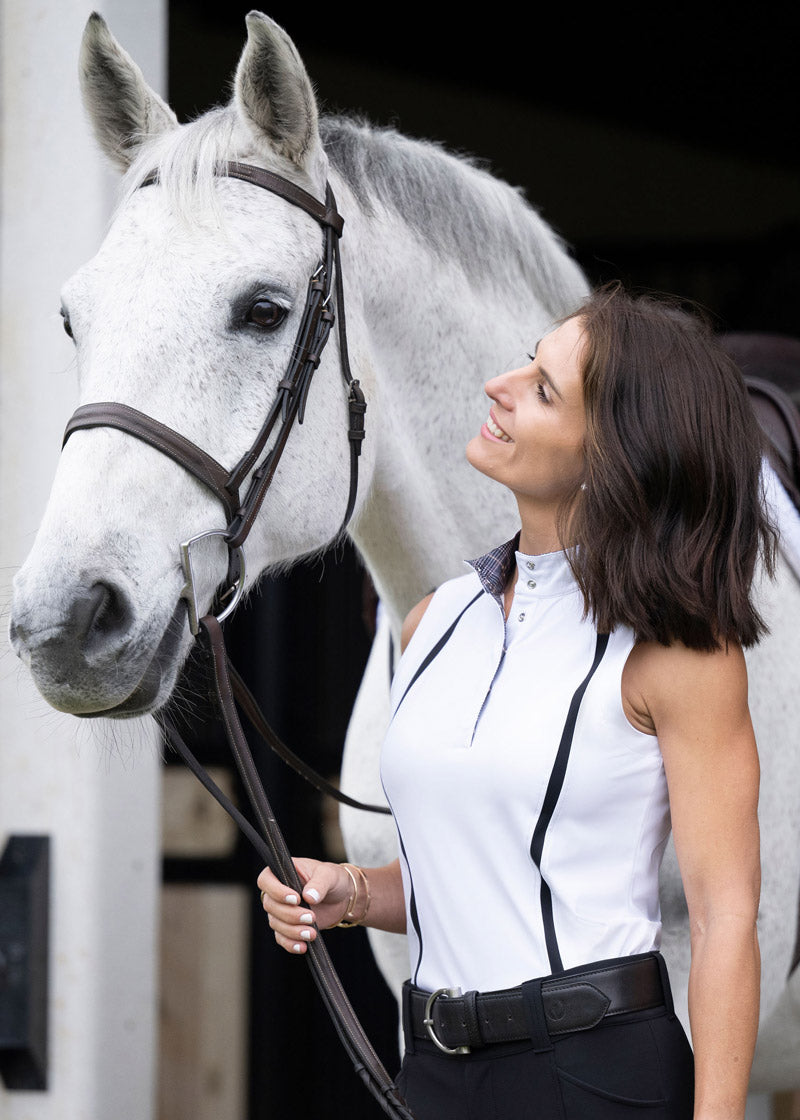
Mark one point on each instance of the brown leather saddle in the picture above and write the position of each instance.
(779, 419)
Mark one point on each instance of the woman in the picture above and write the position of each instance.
(555, 712)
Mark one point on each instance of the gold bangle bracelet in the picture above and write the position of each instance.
(347, 917)
(363, 875)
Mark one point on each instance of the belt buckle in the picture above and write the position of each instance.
(428, 1021)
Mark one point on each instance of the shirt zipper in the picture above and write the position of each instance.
(497, 670)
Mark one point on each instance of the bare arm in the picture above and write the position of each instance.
(326, 892)
(327, 887)
(697, 703)
(412, 621)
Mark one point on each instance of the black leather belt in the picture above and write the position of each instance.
(574, 1001)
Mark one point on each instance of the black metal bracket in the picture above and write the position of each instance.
(24, 921)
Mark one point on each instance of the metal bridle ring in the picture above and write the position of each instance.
(235, 591)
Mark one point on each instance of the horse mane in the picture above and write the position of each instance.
(450, 201)
(455, 205)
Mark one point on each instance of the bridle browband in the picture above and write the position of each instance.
(316, 321)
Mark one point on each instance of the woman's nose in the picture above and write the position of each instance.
(501, 388)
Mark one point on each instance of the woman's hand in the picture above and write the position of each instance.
(327, 896)
(327, 889)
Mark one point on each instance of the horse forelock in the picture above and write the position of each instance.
(186, 162)
(184, 159)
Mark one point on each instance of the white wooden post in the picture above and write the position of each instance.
(93, 789)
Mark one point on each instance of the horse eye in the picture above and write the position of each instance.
(266, 314)
(67, 327)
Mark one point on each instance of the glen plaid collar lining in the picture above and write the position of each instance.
(494, 568)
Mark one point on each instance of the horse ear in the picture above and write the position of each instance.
(123, 109)
(273, 91)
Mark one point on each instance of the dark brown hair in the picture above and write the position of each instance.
(670, 520)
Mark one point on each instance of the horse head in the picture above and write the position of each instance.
(188, 313)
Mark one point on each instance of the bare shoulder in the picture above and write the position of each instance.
(413, 619)
(696, 702)
(667, 687)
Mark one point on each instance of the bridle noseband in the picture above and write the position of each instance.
(316, 322)
(317, 319)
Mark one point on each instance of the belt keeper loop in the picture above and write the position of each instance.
(665, 985)
(534, 1013)
(471, 1020)
(408, 1023)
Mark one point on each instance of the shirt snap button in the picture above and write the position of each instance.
(521, 616)
(529, 564)
(531, 583)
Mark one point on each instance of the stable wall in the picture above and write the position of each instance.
(92, 788)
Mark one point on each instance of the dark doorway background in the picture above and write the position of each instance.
(662, 147)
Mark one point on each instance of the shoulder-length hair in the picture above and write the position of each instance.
(670, 520)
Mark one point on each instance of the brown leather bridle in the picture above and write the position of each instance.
(290, 400)
(316, 322)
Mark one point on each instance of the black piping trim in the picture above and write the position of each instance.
(412, 905)
(412, 902)
(551, 797)
(437, 649)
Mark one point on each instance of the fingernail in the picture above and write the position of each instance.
(297, 948)
(307, 918)
(306, 934)
(292, 899)
(313, 894)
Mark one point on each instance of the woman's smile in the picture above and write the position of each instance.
(542, 463)
(495, 431)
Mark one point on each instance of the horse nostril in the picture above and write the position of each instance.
(100, 613)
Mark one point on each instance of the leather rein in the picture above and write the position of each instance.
(289, 404)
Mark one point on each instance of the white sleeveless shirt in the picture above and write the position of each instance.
(532, 816)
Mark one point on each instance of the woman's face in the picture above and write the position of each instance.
(533, 439)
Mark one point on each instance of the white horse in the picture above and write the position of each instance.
(188, 313)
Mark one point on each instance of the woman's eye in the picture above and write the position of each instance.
(541, 393)
(266, 314)
(66, 322)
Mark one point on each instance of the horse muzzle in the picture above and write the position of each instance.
(87, 655)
